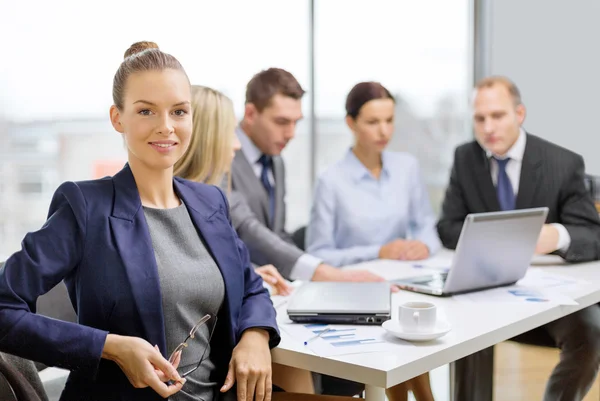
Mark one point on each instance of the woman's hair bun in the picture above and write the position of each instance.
(139, 47)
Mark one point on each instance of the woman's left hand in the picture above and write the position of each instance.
(250, 367)
(414, 250)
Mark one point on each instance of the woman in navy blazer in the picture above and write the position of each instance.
(97, 240)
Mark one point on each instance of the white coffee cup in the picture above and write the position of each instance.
(417, 316)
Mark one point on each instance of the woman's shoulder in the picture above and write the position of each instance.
(83, 200)
(89, 191)
(332, 173)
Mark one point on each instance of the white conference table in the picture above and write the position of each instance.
(475, 326)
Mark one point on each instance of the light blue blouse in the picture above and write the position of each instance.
(354, 214)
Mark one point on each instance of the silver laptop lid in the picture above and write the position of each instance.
(341, 298)
(495, 248)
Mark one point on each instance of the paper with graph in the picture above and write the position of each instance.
(343, 339)
(536, 287)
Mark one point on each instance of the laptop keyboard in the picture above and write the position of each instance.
(433, 281)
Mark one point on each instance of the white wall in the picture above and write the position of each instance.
(550, 48)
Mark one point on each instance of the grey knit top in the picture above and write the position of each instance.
(191, 286)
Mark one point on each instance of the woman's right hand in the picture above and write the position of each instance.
(271, 276)
(143, 364)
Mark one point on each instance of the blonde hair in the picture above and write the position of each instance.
(207, 158)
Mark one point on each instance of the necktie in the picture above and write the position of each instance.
(266, 162)
(504, 190)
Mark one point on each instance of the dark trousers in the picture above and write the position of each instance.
(329, 385)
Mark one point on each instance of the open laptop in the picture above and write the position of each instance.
(341, 303)
(494, 250)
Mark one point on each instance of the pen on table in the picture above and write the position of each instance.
(443, 269)
(280, 304)
(317, 336)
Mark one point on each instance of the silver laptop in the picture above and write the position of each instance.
(341, 303)
(494, 250)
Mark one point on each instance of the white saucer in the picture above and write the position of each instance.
(393, 327)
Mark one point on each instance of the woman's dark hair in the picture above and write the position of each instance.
(363, 92)
(140, 57)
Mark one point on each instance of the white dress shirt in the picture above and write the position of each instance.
(513, 170)
(305, 265)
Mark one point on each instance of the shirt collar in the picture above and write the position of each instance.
(358, 171)
(516, 151)
(249, 149)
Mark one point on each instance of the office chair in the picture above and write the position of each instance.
(592, 184)
(19, 380)
(299, 238)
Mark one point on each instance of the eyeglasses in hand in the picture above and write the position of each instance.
(191, 336)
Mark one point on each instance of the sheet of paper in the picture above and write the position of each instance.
(344, 339)
(537, 278)
(436, 262)
(516, 294)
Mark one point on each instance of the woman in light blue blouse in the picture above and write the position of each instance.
(372, 203)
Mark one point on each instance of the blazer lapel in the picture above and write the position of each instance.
(217, 233)
(132, 238)
(529, 180)
(484, 182)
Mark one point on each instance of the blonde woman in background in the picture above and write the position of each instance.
(208, 160)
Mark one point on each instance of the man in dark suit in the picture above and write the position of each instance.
(506, 168)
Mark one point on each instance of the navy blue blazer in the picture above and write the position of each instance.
(97, 240)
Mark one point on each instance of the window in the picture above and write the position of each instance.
(56, 95)
(57, 89)
(32, 187)
(2, 238)
(420, 51)
(30, 179)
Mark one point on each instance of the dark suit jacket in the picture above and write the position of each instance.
(551, 176)
(97, 240)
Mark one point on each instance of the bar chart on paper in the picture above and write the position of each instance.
(331, 340)
(536, 287)
(516, 294)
